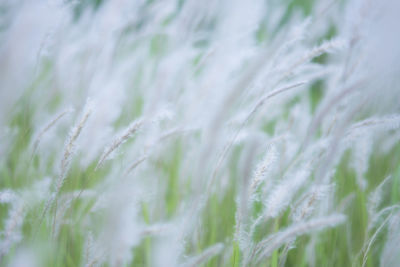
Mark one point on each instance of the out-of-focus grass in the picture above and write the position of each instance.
(335, 247)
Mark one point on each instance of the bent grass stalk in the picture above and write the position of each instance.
(69, 149)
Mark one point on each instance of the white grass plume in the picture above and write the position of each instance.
(325, 47)
(375, 200)
(69, 148)
(206, 255)
(148, 148)
(310, 201)
(118, 141)
(265, 248)
(281, 196)
(304, 210)
(256, 107)
(388, 122)
(263, 168)
(7, 196)
(47, 127)
(390, 254)
(367, 245)
(12, 228)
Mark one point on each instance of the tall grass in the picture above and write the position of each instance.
(199, 133)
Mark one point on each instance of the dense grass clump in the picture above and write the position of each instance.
(200, 133)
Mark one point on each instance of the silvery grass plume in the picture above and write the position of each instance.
(69, 148)
(128, 132)
(267, 246)
(204, 256)
(19, 203)
(390, 254)
(263, 169)
(12, 230)
(218, 133)
(304, 209)
(68, 152)
(46, 128)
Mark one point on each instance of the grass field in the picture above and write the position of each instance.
(199, 133)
